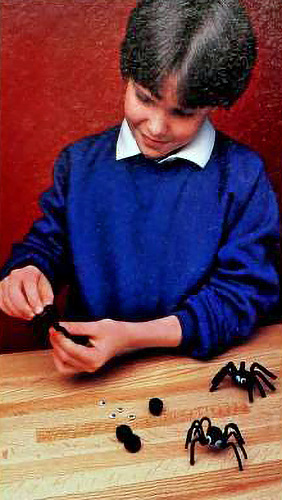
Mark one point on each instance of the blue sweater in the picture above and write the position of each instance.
(138, 240)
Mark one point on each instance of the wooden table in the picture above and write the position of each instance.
(58, 442)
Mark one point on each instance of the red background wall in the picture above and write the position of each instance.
(60, 81)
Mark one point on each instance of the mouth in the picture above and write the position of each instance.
(153, 141)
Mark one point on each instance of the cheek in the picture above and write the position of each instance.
(133, 112)
(185, 132)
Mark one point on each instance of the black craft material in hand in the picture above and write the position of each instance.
(49, 317)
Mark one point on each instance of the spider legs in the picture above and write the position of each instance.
(196, 434)
(256, 374)
(237, 453)
(196, 428)
(192, 450)
(229, 369)
(250, 387)
(240, 443)
(234, 431)
(259, 374)
(256, 366)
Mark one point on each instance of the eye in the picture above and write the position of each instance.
(144, 98)
(209, 440)
(183, 113)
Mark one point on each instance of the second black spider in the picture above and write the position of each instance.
(215, 438)
(248, 379)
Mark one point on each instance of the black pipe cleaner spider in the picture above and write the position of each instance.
(214, 438)
(244, 378)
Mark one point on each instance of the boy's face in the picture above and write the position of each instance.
(160, 126)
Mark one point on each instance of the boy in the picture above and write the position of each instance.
(165, 229)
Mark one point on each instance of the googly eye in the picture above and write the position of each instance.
(102, 402)
(131, 416)
(243, 380)
(113, 415)
(120, 409)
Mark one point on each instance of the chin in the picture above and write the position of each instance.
(155, 155)
(152, 153)
(149, 150)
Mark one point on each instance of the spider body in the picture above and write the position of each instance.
(247, 379)
(215, 439)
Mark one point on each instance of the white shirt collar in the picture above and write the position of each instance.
(198, 150)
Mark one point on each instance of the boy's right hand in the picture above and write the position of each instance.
(25, 292)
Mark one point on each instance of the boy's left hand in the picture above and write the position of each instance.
(108, 338)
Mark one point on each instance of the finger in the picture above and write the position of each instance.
(63, 368)
(45, 290)
(63, 356)
(10, 297)
(3, 297)
(3, 303)
(16, 298)
(84, 356)
(31, 290)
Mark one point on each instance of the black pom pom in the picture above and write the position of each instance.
(123, 432)
(156, 406)
(132, 443)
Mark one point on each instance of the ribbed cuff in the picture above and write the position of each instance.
(188, 325)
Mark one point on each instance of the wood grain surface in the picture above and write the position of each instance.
(58, 442)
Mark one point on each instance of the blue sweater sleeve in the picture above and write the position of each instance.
(45, 244)
(243, 285)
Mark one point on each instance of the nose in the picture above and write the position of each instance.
(157, 124)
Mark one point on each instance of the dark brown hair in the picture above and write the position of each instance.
(208, 44)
